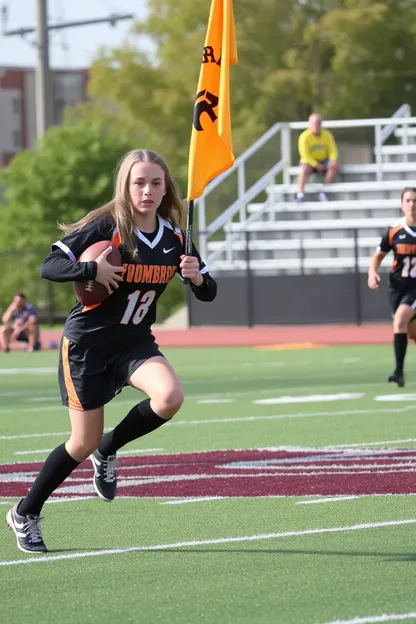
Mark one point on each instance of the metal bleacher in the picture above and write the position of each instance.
(279, 236)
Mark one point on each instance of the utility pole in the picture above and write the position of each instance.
(42, 77)
(43, 81)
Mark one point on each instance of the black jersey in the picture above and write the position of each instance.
(402, 240)
(127, 315)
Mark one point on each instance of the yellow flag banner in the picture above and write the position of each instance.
(211, 150)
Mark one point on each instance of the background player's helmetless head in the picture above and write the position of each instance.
(315, 123)
(170, 206)
(408, 201)
(20, 301)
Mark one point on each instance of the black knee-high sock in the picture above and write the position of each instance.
(57, 467)
(140, 420)
(400, 346)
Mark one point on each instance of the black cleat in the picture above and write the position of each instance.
(397, 378)
(105, 478)
(27, 531)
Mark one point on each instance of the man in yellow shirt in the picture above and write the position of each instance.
(318, 153)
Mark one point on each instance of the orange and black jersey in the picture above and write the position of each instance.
(127, 315)
(401, 239)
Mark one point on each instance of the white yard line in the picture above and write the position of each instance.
(374, 619)
(209, 542)
(201, 499)
(207, 401)
(130, 452)
(326, 500)
(28, 371)
(209, 421)
(347, 446)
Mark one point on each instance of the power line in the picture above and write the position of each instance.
(43, 117)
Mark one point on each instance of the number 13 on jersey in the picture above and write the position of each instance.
(138, 306)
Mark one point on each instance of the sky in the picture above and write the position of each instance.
(71, 47)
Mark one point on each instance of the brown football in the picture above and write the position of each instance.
(92, 292)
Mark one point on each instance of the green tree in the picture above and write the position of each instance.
(347, 58)
(69, 173)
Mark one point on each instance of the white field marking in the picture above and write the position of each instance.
(43, 398)
(395, 397)
(208, 401)
(355, 450)
(313, 398)
(374, 619)
(351, 360)
(326, 500)
(346, 446)
(27, 371)
(226, 380)
(202, 499)
(34, 452)
(142, 450)
(396, 410)
(131, 452)
(195, 397)
(264, 364)
(209, 542)
(268, 391)
(84, 486)
(210, 421)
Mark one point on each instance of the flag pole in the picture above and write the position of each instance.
(188, 233)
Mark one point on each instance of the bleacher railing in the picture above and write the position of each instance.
(383, 129)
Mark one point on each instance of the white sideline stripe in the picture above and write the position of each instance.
(289, 416)
(397, 410)
(326, 500)
(209, 542)
(33, 452)
(201, 499)
(27, 371)
(313, 398)
(371, 443)
(373, 619)
(206, 401)
(132, 451)
(142, 450)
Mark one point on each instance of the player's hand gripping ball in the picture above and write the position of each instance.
(93, 292)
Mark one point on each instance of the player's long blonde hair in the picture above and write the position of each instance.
(121, 208)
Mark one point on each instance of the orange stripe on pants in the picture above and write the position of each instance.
(73, 400)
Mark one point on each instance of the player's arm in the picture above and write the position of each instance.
(304, 151)
(8, 314)
(62, 263)
(58, 267)
(377, 258)
(202, 284)
(375, 262)
(332, 147)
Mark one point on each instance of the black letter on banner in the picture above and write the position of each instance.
(204, 106)
(208, 55)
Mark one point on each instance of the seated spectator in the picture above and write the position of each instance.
(20, 323)
(318, 154)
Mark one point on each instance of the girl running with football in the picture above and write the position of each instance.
(110, 344)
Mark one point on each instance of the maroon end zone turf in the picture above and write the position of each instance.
(241, 473)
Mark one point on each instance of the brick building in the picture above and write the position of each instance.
(17, 104)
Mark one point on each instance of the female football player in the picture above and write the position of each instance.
(109, 345)
(401, 238)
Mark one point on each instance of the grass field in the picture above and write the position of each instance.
(283, 492)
